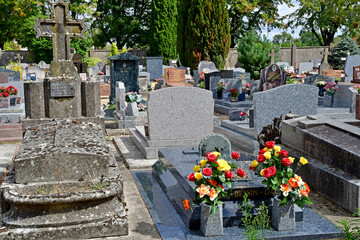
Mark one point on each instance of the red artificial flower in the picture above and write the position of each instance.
(211, 157)
(262, 151)
(284, 153)
(243, 114)
(191, 177)
(212, 182)
(270, 144)
(286, 162)
(100, 73)
(229, 174)
(272, 170)
(5, 94)
(240, 172)
(235, 155)
(207, 172)
(266, 173)
(261, 158)
(252, 168)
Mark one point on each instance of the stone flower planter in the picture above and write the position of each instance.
(4, 102)
(211, 225)
(283, 218)
(234, 99)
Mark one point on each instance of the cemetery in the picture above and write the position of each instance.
(141, 127)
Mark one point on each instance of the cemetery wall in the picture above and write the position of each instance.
(105, 54)
(6, 56)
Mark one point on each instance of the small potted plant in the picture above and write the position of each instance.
(5, 99)
(273, 164)
(234, 95)
(221, 86)
(330, 90)
(243, 116)
(210, 176)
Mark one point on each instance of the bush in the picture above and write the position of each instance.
(93, 61)
(341, 50)
(253, 52)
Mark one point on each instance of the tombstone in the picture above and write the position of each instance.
(4, 77)
(196, 78)
(30, 77)
(43, 65)
(83, 76)
(208, 65)
(273, 76)
(254, 87)
(222, 74)
(14, 76)
(154, 66)
(305, 67)
(120, 100)
(316, 62)
(230, 82)
(18, 58)
(124, 68)
(272, 56)
(244, 77)
(215, 143)
(356, 74)
(324, 63)
(240, 70)
(351, 62)
(300, 98)
(80, 66)
(173, 63)
(283, 64)
(174, 124)
(345, 97)
(332, 73)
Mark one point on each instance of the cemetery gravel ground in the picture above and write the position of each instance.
(141, 225)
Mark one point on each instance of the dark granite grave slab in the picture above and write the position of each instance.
(222, 74)
(171, 226)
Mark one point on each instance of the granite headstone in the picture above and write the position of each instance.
(305, 67)
(13, 75)
(208, 65)
(215, 142)
(154, 66)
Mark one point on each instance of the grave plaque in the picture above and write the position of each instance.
(4, 77)
(244, 77)
(272, 77)
(62, 89)
(356, 74)
(13, 75)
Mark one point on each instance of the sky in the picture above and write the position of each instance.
(283, 10)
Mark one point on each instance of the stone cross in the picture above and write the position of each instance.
(61, 28)
(19, 57)
(272, 55)
(326, 54)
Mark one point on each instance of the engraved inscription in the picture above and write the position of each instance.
(253, 193)
(62, 89)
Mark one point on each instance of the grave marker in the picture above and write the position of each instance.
(356, 74)
(351, 61)
(154, 66)
(273, 76)
(305, 67)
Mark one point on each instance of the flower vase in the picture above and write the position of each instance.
(219, 94)
(12, 101)
(132, 109)
(4, 102)
(210, 224)
(234, 99)
(327, 101)
(242, 97)
(283, 217)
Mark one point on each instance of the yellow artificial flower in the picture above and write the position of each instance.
(198, 175)
(217, 154)
(277, 148)
(303, 161)
(261, 172)
(254, 164)
(276, 154)
(266, 149)
(223, 165)
(267, 155)
(203, 163)
(291, 159)
(197, 168)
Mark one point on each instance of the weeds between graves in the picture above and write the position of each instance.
(351, 228)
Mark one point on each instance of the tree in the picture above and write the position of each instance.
(325, 17)
(122, 21)
(282, 38)
(207, 33)
(163, 29)
(253, 52)
(308, 38)
(347, 45)
(183, 7)
(253, 14)
(13, 14)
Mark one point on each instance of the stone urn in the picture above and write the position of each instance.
(219, 94)
(132, 109)
(4, 102)
(211, 224)
(234, 98)
(283, 217)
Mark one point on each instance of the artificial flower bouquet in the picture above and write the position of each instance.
(221, 85)
(7, 91)
(210, 176)
(234, 92)
(202, 74)
(357, 88)
(330, 88)
(274, 165)
(133, 97)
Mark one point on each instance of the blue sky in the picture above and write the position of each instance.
(284, 10)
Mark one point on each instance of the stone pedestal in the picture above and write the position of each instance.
(211, 224)
(283, 218)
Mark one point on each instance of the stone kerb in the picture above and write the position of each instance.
(180, 113)
(301, 99)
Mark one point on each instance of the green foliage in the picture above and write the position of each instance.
(163, 29)
(253, 14)
(253, 52)
(351, 228)
(11, 45)
(201, 85)
(308, 38)
(93, 61)
(341, 50)
(183, 7)
(114, 50)
(257, 227)
(282, 38)
(324, 18)
(207, 33)
(126, 21)
(82, 46)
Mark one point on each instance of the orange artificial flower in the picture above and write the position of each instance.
(213, 194)
(186, 204)
(307, 187)
(293, 182)
(203, 190)
(212, 182)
